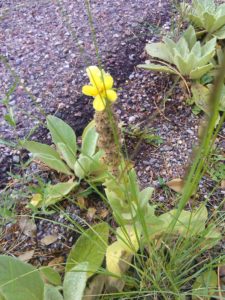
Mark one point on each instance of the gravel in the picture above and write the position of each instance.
(48, 44)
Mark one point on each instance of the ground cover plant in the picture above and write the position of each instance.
(145, 250)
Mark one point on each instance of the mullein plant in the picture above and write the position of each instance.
(139, 228)
(106, 122)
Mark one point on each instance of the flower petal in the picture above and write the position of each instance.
(111, 95)
(108, 81)
(89, 90)
(94, 74)
(99, 103)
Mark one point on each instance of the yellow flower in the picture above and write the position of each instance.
(100, 88)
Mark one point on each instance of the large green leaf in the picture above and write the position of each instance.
(55, 193)
(159, 50)
(145, 195)
(67, 155)
(52, 293)
(159, 68)
(82, 166)
(89, 140)
(205, 286)
(19, 280)
(47, 155)
(75, 282)
(197, 73)
(190, 223)
(90, 247)
(62, 133)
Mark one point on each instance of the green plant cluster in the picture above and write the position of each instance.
(144, 253)
(196, 56)
(64, 158)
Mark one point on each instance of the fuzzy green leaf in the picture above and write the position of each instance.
(82, 166)
(19, 280)
(67, 155)
(62, 133)
(75, 282)
(47, 155)
(90, 247)
(55, 193)
(52, 293)
(89, 140)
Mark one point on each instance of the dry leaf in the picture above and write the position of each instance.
(223, 184)
(49, 239)
(176, 185)
(57, 264)
(36, 199)
(81, 202)
(26, 256)
(104, 213)
(90, 213)
(27, 226)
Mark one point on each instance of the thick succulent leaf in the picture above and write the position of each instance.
(196, 49)
(52, 293)
(180, 63)
(209, 47)
(48, 156)
(19, 280)
(62, 133)
(219, 23)
(75, 282)
(182, 47)
(190, 36)
(55, 193)
(117, 259)
(205, 285)
(200, 71)
(191, 62)
(67, 155)
(90, 247)
(196, 21)
(207, 4)
(159, 50)
(209, 21)
(158, 68)
(204, 59)
(170, 44)
(220, 34)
